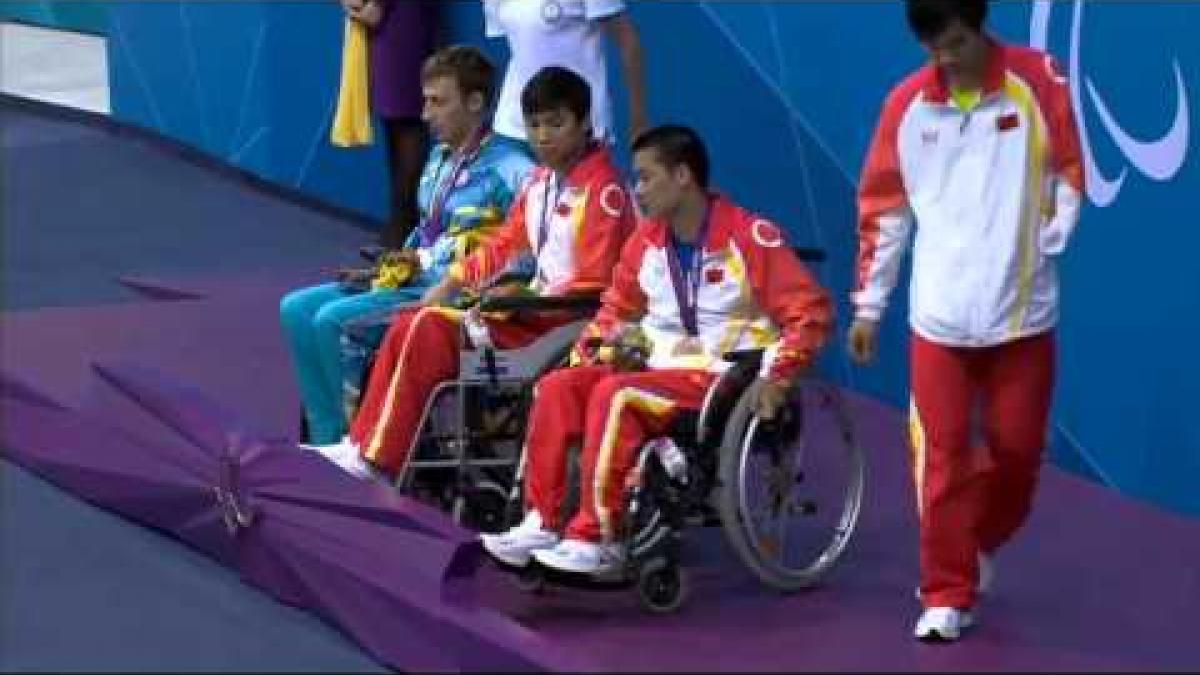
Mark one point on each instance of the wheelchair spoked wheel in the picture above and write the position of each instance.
(483, 506)
(790, 490)
(662, 586)
(531, 579)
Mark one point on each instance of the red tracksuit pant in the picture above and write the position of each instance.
(963, 508)
(419, 351)
(613, 415)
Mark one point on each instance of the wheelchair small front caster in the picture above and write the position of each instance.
(662, 586)
(531, 579)
(481, 507)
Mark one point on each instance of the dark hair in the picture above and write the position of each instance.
(675, 145)
(555, 88)
(467, 66)
(929, 18)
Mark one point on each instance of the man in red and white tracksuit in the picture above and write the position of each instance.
(979, 149)
(572, 215)
(701, 277)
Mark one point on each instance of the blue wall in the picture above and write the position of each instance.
(87, 16)
(253, 83)
(787, 95)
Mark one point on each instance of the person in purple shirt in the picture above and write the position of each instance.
(401, 37)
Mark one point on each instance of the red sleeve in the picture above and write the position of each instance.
(494, 255)
(880, 187)
(787, 292)
(1067, 156)
(606, 223)
(622, 303)
(884, 218)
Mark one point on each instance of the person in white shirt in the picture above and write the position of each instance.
(567, 33)
(977, 157)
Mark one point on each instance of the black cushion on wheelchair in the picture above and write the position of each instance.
(809, 254)
(541, 303)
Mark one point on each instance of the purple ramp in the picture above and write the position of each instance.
(268, 283)
(155, 486)
(156, 289)
(17, 388)
(387, 570)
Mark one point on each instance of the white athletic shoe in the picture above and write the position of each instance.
(347, 456)
(582, 557)
(944, 624)
(515, 546)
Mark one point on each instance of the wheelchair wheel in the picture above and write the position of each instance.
(790, 490)
(661, 586)
(531, 579)
(482, 506)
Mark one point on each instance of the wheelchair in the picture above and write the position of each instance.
(786, 493)
(472, 428)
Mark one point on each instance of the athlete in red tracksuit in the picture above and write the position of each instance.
(978, 149)
(572, 215)
(701, 277)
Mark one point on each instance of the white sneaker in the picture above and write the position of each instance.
(347, 456)
(943, 624)
(582, 557)
(987, 577)
(515, 546)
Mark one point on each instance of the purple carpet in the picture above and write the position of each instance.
(1096, 581)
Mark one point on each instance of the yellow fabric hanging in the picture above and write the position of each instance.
(352, 121)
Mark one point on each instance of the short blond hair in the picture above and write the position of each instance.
(467, 66)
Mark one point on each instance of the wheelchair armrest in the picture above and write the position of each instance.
(371, 252)
(809, 254)
(541, 303)
(751, 358)
(722, 395)
(511, 278)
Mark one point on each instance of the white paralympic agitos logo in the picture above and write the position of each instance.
(1159, 159)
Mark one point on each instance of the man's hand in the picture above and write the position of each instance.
(400, 256)
(772, 394)
(630, 349)
(441, 293)
(355, 278)
(862, 341)
(370, 13)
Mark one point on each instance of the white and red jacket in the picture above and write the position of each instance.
(573, 225)
(995, 193)
(753, 293)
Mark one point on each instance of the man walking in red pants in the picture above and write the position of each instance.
(571, 215)
(980, 149)
(700, 278)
